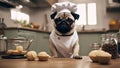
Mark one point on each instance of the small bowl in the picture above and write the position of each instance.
(94, 58)
(104, 59)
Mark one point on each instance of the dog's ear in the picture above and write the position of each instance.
(53, 15)
(76, 16)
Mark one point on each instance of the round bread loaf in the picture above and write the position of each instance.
(31, 55)
(43, 56)
(104, 57)
(100, 56)
(19, 48)
(10, 51)
(15, 52)
(23, 52)
(93, 55)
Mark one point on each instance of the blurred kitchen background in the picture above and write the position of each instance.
(31, 19)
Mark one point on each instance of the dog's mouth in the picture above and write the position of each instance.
(63, 26)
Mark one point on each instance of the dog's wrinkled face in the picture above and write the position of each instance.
(64, 22)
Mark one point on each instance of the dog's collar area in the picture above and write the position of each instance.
(65, 34)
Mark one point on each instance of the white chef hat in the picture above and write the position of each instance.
(64, 7)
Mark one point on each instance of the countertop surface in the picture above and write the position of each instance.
(57, 63)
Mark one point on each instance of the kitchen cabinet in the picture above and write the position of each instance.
(113, 6)
(113, 9)
(86, 40)
(6, 4)
(27, 3)
(37, 3)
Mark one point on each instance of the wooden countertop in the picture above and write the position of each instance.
(57, 63)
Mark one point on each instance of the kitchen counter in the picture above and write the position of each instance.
(57, 63)
(37, 30)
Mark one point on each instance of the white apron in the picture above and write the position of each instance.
(64, 44)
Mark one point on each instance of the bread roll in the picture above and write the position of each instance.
(19, 48)
(23, 52)
(31, 55)
(43, 56)
(15, 52)
(10, 52)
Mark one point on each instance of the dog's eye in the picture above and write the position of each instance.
(70, 21)
(57, 20)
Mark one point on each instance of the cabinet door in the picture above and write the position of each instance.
(85, 41)
(11, 33)
(41, 42)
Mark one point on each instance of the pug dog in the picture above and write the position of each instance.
(63, 38)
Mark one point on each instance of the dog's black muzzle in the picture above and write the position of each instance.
(63, 26)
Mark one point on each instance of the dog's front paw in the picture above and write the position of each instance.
(55, 56)
(77, 57)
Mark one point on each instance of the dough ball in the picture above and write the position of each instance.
(23, 52)
(31, 55)
(15, 52)
(19, 48)
(10, 51)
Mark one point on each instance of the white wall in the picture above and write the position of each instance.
(38, 16)
(5, 13)
(103, 17)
